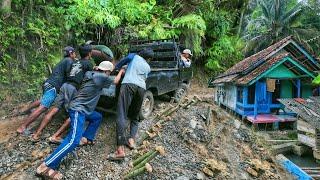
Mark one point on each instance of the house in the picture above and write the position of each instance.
(251, 87)
(308, 124)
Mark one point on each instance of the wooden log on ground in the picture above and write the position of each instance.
(132, 174)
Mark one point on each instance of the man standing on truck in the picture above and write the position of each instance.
(69, 89)
(185, 57)
(81, 109)
(50, 88)
(130, 99)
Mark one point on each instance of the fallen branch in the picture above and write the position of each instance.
(132, 174)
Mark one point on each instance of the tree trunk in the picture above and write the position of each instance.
(5, 6)
(243, 9)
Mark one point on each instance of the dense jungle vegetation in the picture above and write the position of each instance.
(219, 32)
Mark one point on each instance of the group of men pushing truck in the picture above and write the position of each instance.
(75, 86)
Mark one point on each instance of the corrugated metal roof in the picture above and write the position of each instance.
(308, 109)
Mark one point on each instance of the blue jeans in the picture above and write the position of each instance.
(74, 136)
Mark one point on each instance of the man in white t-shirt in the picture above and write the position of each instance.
(185, 57)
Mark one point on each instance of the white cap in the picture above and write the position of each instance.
(105, 66)
(187, 51)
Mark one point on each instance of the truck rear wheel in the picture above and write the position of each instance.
(147, 105)
(180, 93)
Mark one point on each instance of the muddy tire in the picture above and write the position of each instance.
(147, 105)
(180, 93)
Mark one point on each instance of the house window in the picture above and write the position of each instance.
(251, 93)
(240, 94)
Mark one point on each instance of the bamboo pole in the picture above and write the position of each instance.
(132, 174)
(141, 158)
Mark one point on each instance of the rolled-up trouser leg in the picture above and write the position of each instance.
(94, 122)
(70, 142)
(124, 101)
(134, 111)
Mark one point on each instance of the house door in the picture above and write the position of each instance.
(262, 97)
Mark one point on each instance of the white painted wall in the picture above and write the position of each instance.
(227, 95)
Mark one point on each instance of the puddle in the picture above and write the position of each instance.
(303, 161)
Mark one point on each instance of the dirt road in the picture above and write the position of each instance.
(195, 148)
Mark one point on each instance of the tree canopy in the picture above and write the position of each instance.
(220, 33)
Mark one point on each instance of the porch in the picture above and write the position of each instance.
(270, 118)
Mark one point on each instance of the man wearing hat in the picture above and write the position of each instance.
(50, 89)
(81, 109)
(185, 57)
(68, 90)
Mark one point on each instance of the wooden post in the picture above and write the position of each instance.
(255, 103)
(275, 126)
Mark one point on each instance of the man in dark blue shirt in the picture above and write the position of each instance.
(50, 88)
(74, 77)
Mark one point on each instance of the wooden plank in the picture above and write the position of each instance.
(282, 148)
(282, 140)
(315, 176)
(305, 127)
(310, 168)
(307, 140)
(311, 171)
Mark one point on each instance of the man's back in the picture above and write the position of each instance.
(90, 91)
(77, 71)
(59, 72)
(137, 72)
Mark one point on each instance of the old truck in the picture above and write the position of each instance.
(168, 75)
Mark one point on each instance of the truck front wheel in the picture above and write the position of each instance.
(147, 105)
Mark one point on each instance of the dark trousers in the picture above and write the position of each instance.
(129, 105)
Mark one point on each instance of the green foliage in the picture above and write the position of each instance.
(193, 28)
(273, 20)
(224, 53)
(35, 31)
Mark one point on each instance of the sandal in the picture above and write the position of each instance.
(86, 142)
(32, 139)
(45, 174)
(114, 157)
(54, 141)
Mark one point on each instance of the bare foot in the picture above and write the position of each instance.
(131, 144)
(35, 137)
(21, 129)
